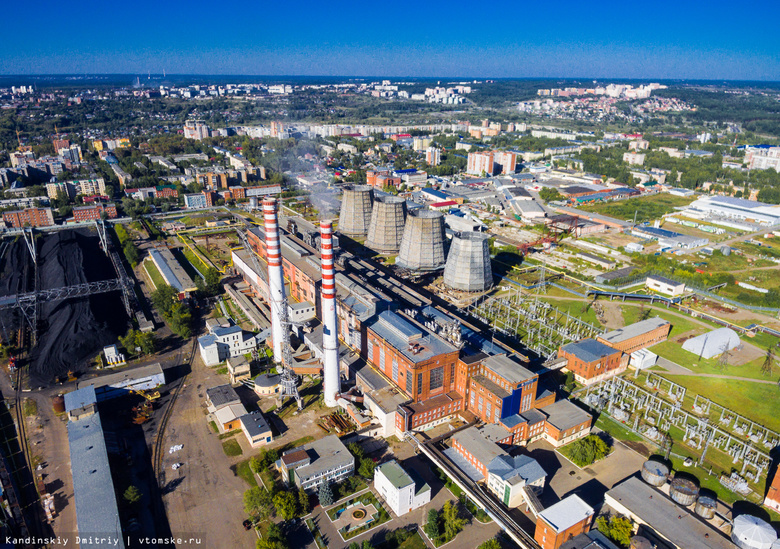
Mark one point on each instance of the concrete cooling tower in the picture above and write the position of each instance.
(422, 246)
(387, 224)
(468, 264)
(356, 205)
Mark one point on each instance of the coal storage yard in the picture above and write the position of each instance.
(72, 331)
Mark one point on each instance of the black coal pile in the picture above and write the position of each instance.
(74, 330)
(15, 277)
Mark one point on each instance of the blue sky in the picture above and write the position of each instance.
(682, 39)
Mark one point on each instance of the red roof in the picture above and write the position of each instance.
(443, 204)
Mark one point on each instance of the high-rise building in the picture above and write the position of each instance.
(506, 161)
(30, 217)
(196, 129)
(480, 163)
(433, 156)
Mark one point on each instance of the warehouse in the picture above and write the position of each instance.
(638, 335)
(712, 343)
(122, 383)
(172, 272)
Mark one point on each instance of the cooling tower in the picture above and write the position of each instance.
(422, 246)
(330, 336)
(275, 275)
(468, 264)
(356, 204)
(387, 224)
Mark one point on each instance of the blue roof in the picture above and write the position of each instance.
(220, 331)
(513, 421)
(80, 398)
(407, 170)
(589, 350)
(468, 469)
(660, 233)
(437, 194)
(506, 467)
(207, 340)
(97, 513)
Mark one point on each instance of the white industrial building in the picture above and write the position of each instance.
(664, 285)
(738, 209)
(223, 342)
(399, 489)
(712, 343)
(642, 359)
(121, 383)
(509, 478)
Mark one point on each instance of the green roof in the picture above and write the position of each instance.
(395, 474)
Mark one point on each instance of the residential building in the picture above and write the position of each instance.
(566, 519)
(433, 156)
(664, 285)
(256, 429)
(505, 161)
(30, 217)
(324, 460)
(94, 212)
(402, 491)
(196, 129)
(638, 335)
(480, 163)
(633, 158)
(591, 361)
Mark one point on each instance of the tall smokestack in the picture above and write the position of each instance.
(330, 333)
(275, 274)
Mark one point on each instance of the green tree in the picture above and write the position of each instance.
(549, 194)
(303, 501)
(432, 525)
(356, 450)
(286, 505)
(325, 494)
(617, 528)
(492, 543)
(255, 465)
(366, 469)
(131, 253)
(258, 503)
(452, 522)
(132, 495)
(270, 457)
(274, 538)
(164, 297)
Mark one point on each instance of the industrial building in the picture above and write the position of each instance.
(122, 383)
(468, 266)
(662, 519)
(324, 460)
(664, 285)
(670, 239)
(256, 429)
(566, 519)
(388, 219)
(357, 204)
(225, 407)
(172, 272)
(226, 341)
(591, 361)
(423, 242)
(638, 335)
(403, 491)
(772, 499)
(737, 209)
(712, 343)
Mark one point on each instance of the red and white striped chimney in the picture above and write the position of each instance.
(275, 274)
(330, 333)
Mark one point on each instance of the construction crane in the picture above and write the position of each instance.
(151, 397)
(289, 379)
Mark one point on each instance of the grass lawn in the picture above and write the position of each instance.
(213, 426)
(616, 430)
(575, 309)
(646, 208)
(154, 273)
(243, 470)
(232, 448)
(757, 401)
(414, 542)
(186, 264)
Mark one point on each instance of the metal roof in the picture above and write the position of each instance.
(564, 414)
(477, 445)
(508, 368)
(513, 469)
(222, 395)
(589, 350)
(633, 330)
(255, 424)
(395, 474)
(712, 343)
(80, 398)
(566, 513)
(97, 513)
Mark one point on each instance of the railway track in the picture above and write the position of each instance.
(157, 451)
(29, 492)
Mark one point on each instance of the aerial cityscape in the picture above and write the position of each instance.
(310, 290)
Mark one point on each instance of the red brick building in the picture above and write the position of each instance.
(591, 361)
(30, 217)
(166, 191)
(566, 519)
(639, 335)
(92, 213)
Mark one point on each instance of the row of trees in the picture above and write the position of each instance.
(177, 314)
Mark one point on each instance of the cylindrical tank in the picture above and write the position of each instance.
(356, 205)
(751, 532)
(638, 542)
(58, 404)
(683, 491)
(706, 507)
(468, 264)
(387, 224)
(654, 472)
(253, 202)
(726, 250)
(422, 246)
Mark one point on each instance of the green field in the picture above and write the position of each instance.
(154, 273)
(647, 208)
